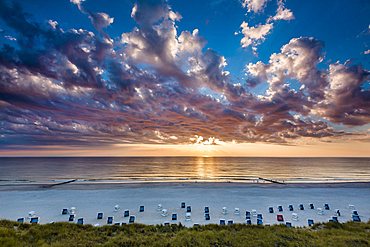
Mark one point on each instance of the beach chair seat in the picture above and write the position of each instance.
(311, 206)
(259, 222)
(206, 210)
(164, 212)
(320, 211)
(110, 220)
(335, 218)
(271, 210)
(183, 205)
(222, 222)
(254, 213)
(131, 219)
(301, 207)
(188, 216)
(290, 207)
(280, 208)
(326, 206)
(99, 216)
(279, 217)
(141, 209)
(294, 216)
(71, 217)
(188, 209)
(207, 216)
(35, 220)
(310, 222)
(237, 211)
(31, 214)
(166, 223)
(356, 218)
(174, 216)
(80, 221)
(65, 211)
(230, 222)
(224, 210)
(126, 213)
(159, 208)
(248, 222)
(116, 208)
(20, 220)
(337, 212)
(259, 216)
(72, 210)
(288, 224)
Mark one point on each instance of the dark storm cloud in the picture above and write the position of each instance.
(74, 87)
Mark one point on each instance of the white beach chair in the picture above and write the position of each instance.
(159, 207)
(224, 210)
(72, 210)
(320, 211)
(31, 214)
(294, 216)
(237, 211)
(336, 212)
(116, 208)
(254, 213)
(164, 212)
(188, 216)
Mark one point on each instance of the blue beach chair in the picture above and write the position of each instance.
(126, 213)
(34, 220)
(310, 222)
(110, 220)
(20, 220)
(288, 224)
(222, 222)
(71, 217)
(80, 221)
(259, 222)
(301, 207)
(100, 216)
(248, 222)
(230, 222)
(188, 209)
(183, 205)
(280, 208)
(291, 207)
(132, 219)
(326, 206)
(65, 211)
(174, 216)
(207, 216)
(141, 209)
(271, 210)
(206, 210)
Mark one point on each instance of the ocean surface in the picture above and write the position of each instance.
(242, 169)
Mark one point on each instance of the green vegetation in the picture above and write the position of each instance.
(66, 234)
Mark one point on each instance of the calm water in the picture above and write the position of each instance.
(185, 168)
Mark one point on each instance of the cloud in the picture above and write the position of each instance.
(282, 13)
(254, 35)
(254, 5)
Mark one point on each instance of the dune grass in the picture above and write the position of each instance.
(66, 234)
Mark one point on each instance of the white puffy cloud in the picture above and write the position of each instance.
(254, 5)
(282, 13)
(254, 35)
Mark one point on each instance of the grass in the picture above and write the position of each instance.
(66, 234)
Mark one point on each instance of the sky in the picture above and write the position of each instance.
(207, 78)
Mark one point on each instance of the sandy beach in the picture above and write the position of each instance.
(17, 199)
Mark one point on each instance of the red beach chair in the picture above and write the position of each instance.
(280, 217)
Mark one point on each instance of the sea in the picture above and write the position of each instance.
(167, 169)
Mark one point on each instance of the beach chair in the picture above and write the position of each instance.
(206, 210)
(196, 224)
(65, 211)
(247, 214)
(164, 212)
(326, 206)
(247, 217)
(188, 216)
(351, 207)
(110, 220)
(35, 220)
(71, 217)
(116, 208)
(248, 222)
(279, 217)
(230, 222)
(72, 210)
(166, 223)
(183, 205)
(117, 224)
(100, 216)
(310, 222)
(174, 216)
(335, 218)
(301, 207)
(188, 209)
(320, 211)
(159, 208)
(280, 208)
(207, 216)
(294, 216)
(271, 210)
(126, 213)
(80, 221)
(237, 211)
(356, 218)
(224, 210)
(222, 222)
(259, 222)
(31, 214)
(20, 220)
(288, 224)
(141, 209)
(131, 219)
(290, 207)
(311, 206)
(259, 216)
(254, 213)
(354, 212)
(336, 212)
